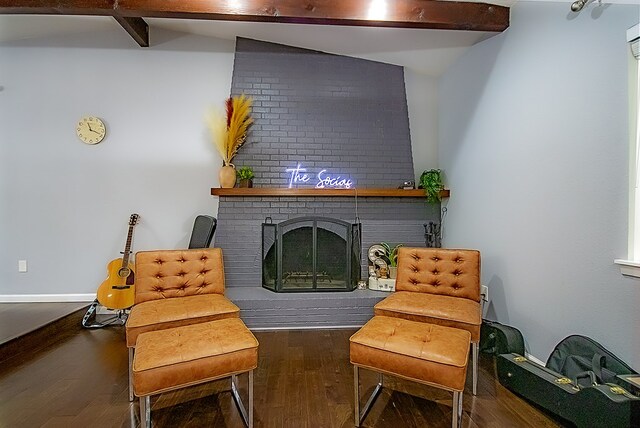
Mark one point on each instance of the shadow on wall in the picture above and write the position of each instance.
(497, 301)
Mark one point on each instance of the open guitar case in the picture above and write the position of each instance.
(582, 382)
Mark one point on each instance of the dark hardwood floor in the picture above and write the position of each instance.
(304, 379)
(18, 319)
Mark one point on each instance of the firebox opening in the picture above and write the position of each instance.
(311, 254)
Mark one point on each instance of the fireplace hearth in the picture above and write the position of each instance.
(308, 254)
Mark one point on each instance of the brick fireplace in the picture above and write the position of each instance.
(339, 116)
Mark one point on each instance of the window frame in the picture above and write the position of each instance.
(631, 265)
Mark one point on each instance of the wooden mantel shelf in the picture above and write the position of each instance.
(310, 191)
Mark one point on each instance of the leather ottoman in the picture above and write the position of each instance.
(175, 358)
(425, 353)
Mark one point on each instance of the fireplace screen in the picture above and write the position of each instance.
(310, 254)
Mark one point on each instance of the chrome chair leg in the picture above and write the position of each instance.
(456, 410)
(475, 347)
(359, 416)
(131, 374)
(145, 411)
(246, 416)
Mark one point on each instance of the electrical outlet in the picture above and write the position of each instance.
(22, 265)
(484, 291)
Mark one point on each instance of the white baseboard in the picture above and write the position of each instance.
(42, 298)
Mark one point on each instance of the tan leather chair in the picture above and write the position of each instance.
(438, 286)
(175, 288)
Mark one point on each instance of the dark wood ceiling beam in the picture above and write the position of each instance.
(372, 13)
(60, 7)
(137, 28)
(433, 14)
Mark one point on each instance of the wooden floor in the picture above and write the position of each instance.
(17, 319)
(303, 379)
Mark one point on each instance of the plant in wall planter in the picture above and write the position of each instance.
(431, 182)
(229, 132)
(245, 175)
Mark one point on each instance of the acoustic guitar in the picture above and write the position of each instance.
(116, 292)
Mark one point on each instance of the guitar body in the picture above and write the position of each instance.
(116, 292)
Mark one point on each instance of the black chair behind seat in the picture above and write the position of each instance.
(203, 228)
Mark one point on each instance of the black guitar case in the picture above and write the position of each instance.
(582, 382)
(496, 338)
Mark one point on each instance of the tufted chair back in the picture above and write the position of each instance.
(439, 271)
(164, 274)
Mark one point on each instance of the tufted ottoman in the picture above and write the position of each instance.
(178, 357)
(425, 353)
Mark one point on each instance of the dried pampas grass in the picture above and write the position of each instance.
(229, 131)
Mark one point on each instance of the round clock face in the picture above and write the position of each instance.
(90, 130)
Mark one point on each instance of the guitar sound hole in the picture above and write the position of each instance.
(124, 272)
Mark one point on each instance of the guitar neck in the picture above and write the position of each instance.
(127, 247)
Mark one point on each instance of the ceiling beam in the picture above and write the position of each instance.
(137, 28)
(426, 14)
(431, 14)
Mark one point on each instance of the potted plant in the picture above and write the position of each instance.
(391, 254)
(229, 132)
(245, 175)
(431, 182)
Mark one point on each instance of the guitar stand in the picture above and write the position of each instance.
(89, 320)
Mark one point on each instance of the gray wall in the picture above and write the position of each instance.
(342, 114)
(64, 206)
(534, 142)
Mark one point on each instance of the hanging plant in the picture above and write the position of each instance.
(431, 182)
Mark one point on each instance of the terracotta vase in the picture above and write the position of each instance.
(227, 176)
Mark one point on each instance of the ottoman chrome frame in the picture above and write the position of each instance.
(247, 416)
(456, 411)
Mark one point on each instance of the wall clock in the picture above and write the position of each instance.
(91, 130)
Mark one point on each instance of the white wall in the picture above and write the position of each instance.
(533, 140)
(422, 102)
(65, 205)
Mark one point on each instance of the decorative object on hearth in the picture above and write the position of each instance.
(245, 174)
(431, 182)
(433, 231)
(391, 256)
(229, 133)
(432, 235)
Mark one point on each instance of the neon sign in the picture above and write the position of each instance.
(299, 175)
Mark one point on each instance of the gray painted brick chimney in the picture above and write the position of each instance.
(345, 115)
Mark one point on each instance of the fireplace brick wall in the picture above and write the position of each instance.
(346, 115)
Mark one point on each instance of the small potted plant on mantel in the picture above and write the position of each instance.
(245, 175)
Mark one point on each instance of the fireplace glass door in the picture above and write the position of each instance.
(310, 254)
